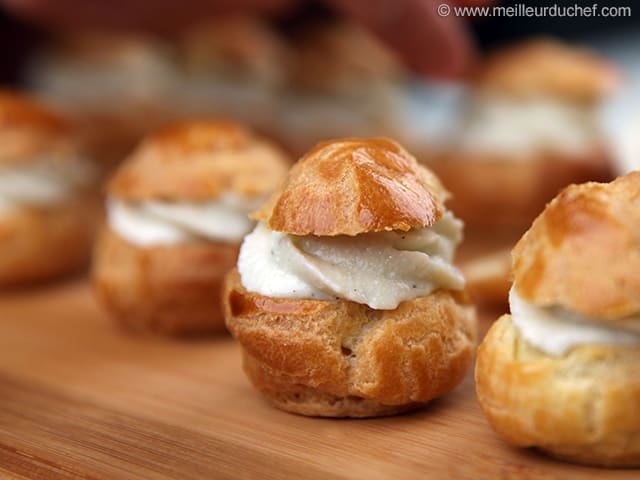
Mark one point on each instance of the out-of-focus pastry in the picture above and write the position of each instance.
(488, 277)
(116, 87)
(177, 211)
(562, 372)
(47, 211)
(341, 58)
(345, 298)
(233, 66)
(342, 80)
(531, 128)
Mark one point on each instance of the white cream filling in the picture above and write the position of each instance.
(378, 269)
(625, 142)
(154, 222)
(41, 183)
(135, 72)
(522, 127)
(556, 331)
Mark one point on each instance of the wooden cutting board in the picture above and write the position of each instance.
(80, 399)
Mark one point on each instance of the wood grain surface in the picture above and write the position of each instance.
(80, 399)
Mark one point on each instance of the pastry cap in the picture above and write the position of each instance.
(237, 46)
(545, 67)
(582, 253)
(199, 160)
(352, 186)
(29, 131)
(357, 59)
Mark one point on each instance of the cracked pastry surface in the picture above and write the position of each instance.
(340, 358)
(561, 373)
(328, 335)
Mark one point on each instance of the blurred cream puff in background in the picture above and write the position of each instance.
(177, 211)
(49, 208)
(529, 127)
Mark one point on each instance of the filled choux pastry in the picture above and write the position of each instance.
(531, 128)
(176, 214)
(48, 212)
(562, 371)
(345, 299)
(115, 87)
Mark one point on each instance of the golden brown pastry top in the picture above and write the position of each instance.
(583, 252)
(237, 46)
(352, 186)
(28, 130)
(199, 160)
(340, 57)
(544, 66)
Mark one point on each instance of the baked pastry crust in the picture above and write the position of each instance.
(543, 66)
(109, 137)
(175, 289)
(112, 86)
(238, 47)
(352, 186)
(504, 189)
(582, 252)
(488, 189)
(581, 407)
(358, 60)
(38, 244)
(29, 130)
(222, 157)
(346, 359)
(172, 289)
(488, 277)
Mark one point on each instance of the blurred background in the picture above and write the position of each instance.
(304, 71)
(300, 72)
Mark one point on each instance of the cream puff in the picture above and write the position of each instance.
(115, 87)
(357, 59)
(233, 66)
(562, 371)
(235, 48)
(345, 299)
(342, 81)
(531, 127)
(47, 211)
(176, 214)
